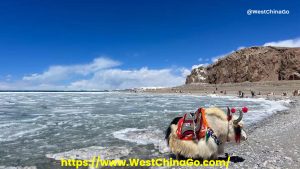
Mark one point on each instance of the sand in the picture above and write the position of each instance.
(264, 88)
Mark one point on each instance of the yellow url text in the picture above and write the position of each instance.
(96, 162)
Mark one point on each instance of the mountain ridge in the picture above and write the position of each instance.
(251, 64)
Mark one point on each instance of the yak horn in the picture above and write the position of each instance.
(239, 118)
(228, 111)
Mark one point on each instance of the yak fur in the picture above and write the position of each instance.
(217, 120)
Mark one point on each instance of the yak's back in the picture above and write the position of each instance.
(214, 111)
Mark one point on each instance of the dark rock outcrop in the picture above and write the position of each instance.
(251, 64)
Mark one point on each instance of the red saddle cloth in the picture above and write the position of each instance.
(192, 127)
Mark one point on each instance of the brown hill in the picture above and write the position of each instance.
(251, 64)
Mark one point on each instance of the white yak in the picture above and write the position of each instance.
(223, 129)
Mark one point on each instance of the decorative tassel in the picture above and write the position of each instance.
(238, 132)
(237, 138)
(207, 135)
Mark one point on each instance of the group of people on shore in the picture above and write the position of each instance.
(241, 94)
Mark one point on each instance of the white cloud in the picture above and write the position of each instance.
(285, 43)
(3, 86)
(185, 72)
(24, 85)
(122, 79)
(196, 66)
(241, 47)
(101, 74)
(57, 73)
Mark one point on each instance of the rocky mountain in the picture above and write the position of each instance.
(198, 75)
(251, 64)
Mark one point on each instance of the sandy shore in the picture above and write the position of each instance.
(263, 88)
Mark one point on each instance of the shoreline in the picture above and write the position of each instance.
(261, 89)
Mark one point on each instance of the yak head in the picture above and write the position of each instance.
(236, 131)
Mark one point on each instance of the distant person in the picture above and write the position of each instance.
(241, 94)
(252, 93)
(296, 93)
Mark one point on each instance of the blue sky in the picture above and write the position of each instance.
(44, 43)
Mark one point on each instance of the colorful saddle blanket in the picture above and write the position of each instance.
(192, 126)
